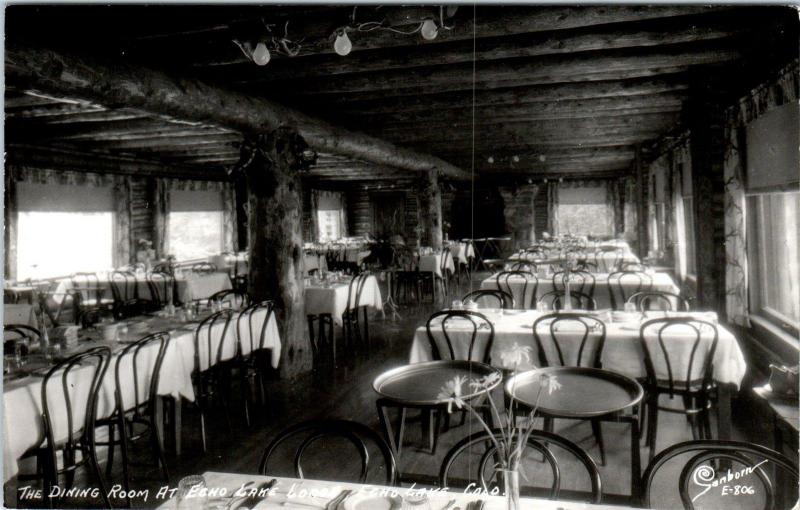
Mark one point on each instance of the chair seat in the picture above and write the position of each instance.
(680, 388)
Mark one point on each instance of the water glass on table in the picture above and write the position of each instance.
(191, 493)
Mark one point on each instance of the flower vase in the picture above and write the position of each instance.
(511, 486)
(567, 294)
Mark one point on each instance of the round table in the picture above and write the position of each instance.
(418, 385)
(584, 394)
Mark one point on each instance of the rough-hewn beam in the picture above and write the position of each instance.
(606, 37)
(389, 102)
(543, 70)
(73, 76)
(68, 159)
(494, 22)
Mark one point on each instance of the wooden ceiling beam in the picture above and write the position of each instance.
(392, 102)
(166, 143)
(604, 37)
(548, 69)
(153, 91)
(491, 22)
(544, 122)
(553, 107)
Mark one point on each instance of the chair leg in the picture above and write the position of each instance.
(123, 444)
(652, 432)
(110, 460)
(366, 327)
(203, 430)
(437, 426)
(92, 459)
(597, 430)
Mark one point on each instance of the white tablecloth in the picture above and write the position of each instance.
(315, 261)
(19, 314)
(333, 299)
(661, 282)
(462, 251)
(433, 264)
(190, 286)
(606, 261)
(622, 351)
(22, 398)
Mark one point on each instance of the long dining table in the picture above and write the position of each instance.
(229, 490)
(602, 287)
(188, 286)
(514, 348)
(22, 416)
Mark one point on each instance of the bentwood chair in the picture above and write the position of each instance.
(162, 288)
(579, 281)
(433, 281)
(750, 465)
(523, 280)
(215, 349)
(230, 298)
(556, 299)
(90, 295)
(22, 334)
(479, 446)
(309, 433)
(350, 318)
(484, 297)
(659, 300)
(204, 268)
(681, 367)
(585, 335)
(137, 373)
(251, 330)
(69, 414)
(523, 265)
(127, 302)
(624, 284)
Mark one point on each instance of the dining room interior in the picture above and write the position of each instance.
(401, 256)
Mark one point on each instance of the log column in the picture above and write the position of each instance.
(271, 166)
(430, 210)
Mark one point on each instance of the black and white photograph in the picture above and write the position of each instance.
(401, 255)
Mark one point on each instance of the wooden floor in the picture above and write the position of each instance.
(346, 392)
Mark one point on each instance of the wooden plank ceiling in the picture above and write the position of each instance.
(561, 91)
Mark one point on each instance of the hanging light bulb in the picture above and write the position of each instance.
(490, 160)
(429, 30)
(515, 159)
(261, 54)
(342, 45)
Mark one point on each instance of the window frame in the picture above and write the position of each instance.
(170, 243)
(770, 320)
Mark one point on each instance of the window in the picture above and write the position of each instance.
(63, 229)
(584, 211)
(195, 234)
(61, 243)
(194, 228)
(330, 225)
(774, 256)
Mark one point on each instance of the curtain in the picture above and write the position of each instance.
(736, 300)
(161, 243)
(615, 207)
(680, 222)
(552, 207)
(122, 221)
(10, 237)
(229, 230)
(314, 220)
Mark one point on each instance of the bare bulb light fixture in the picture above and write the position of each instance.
(342, 45)
(429, 30)
(261, 54)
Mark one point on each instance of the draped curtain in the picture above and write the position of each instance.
(552, 207)
(122, 221)
(162, 218)
(761, 99)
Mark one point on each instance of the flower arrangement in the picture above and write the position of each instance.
(510, 438)
(145, 254)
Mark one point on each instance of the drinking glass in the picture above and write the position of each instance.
(191, 494)
(630, 307)
(542, 307)
(457, 305)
